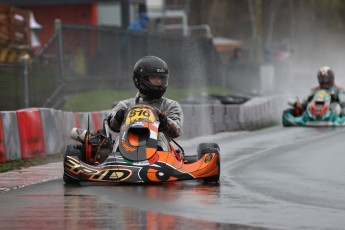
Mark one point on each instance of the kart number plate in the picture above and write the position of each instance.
(136, 114)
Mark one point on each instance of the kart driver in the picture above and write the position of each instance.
(150, 76)
(325, 77)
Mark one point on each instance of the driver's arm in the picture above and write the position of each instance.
(114, 125)
(174, 115)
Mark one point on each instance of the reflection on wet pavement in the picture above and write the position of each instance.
(78, 208)
(175, 205)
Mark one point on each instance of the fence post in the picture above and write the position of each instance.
(59, 52)
(25, 60)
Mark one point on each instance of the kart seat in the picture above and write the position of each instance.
(138, 136)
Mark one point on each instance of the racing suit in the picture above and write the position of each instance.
(334, 90)
(170, 108)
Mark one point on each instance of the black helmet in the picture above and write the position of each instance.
(150, 66)
(325, 77)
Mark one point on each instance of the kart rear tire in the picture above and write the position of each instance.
(75, 150)
(204, 148)
(70, 180)
(72, 150)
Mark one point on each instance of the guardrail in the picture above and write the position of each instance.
(37, 132)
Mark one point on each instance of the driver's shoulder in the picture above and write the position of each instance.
(128, 102)
(315, 88)
(169, 102)
(338, 87)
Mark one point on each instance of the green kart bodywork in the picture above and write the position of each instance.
(318, 113)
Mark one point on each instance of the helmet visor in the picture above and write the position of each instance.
(157, 80)
(325, 79)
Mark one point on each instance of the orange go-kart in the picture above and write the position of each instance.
(135, 157)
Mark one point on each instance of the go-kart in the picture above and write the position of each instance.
(320, 111)
(136, 156)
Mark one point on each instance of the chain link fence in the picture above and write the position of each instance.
(103, 57)
(83, 58)
(12, 86)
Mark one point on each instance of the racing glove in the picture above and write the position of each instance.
(163, 120)
(120, 115)
(116, 120)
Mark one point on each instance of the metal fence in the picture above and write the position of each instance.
(30, 82)
(103, 57)
(12, 86)
(82, 58)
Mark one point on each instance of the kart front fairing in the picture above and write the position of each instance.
(137, 158)
(165, 168)
(331, 119)
(318, 113)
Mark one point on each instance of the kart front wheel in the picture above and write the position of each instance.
(189, 159)
(206, 148)
(285, 116)
(215, 178)
(72, 150)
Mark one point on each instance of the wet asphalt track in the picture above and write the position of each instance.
(278, 178)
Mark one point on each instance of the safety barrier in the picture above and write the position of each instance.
(11, 135)
(52, 130)
(68, 122)
(31, 133)
(189, 123)
(97, 120)
(77, 120)
(203, 123)
(2, 143)
(232, 117)
(37, 132)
